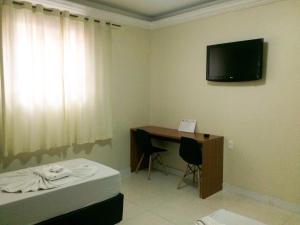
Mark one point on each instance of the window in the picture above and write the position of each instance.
(55, 79)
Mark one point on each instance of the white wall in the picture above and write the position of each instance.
(130, 105)
(262, 118)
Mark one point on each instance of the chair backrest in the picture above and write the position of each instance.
(190, 151)
(143, 141)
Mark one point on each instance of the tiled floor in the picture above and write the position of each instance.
(158, 202)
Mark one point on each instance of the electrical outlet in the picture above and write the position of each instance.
(230, 144)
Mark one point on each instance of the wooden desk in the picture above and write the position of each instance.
(212, 155)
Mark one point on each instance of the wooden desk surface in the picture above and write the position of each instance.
(175, 134)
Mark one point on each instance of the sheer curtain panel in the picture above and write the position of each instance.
(54, 79)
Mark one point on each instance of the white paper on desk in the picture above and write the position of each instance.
(187, 126)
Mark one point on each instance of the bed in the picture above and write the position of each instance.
(95, 200)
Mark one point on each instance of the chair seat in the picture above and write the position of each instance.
(193, 162)
(157, 149)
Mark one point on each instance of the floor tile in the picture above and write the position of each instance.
(147, 219)
(293, 220)
(158, 201)
(262, 212)
(131, 210)
(182, 213)
(222, 199)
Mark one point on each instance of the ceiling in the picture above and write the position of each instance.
(150, 10)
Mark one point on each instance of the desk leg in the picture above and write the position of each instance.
(212, 167)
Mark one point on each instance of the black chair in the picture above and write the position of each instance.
(143, 141)
(190, 152)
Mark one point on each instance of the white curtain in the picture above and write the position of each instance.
(55, 79)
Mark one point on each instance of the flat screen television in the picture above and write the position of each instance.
(235, 61)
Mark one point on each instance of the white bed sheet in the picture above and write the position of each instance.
(33, 207)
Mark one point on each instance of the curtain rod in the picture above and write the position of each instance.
(71, 15)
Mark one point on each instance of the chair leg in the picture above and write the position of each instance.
(149, 167)
(139, 164)
(162, 163)
(194, 174)
(184, 175)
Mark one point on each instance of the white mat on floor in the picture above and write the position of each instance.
(224, 217)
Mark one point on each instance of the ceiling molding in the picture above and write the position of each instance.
(210, 10)
(127, 11)
(187, 9)
(94, 12)
(101, 6)
(113, 17)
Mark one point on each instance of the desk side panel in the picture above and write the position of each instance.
(212, 167)
(133, 151)
(135, 154)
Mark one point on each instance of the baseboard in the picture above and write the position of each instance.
(262, 198)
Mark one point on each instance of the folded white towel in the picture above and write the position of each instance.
(207, 220)
(56, 168)
(53, 172)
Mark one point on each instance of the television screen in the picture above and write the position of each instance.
(236, 61)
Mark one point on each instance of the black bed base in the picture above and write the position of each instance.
(108, 212)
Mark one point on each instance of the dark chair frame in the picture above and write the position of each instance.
(149, 151)
(190, 152)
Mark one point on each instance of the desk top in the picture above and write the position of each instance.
(175, 134)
